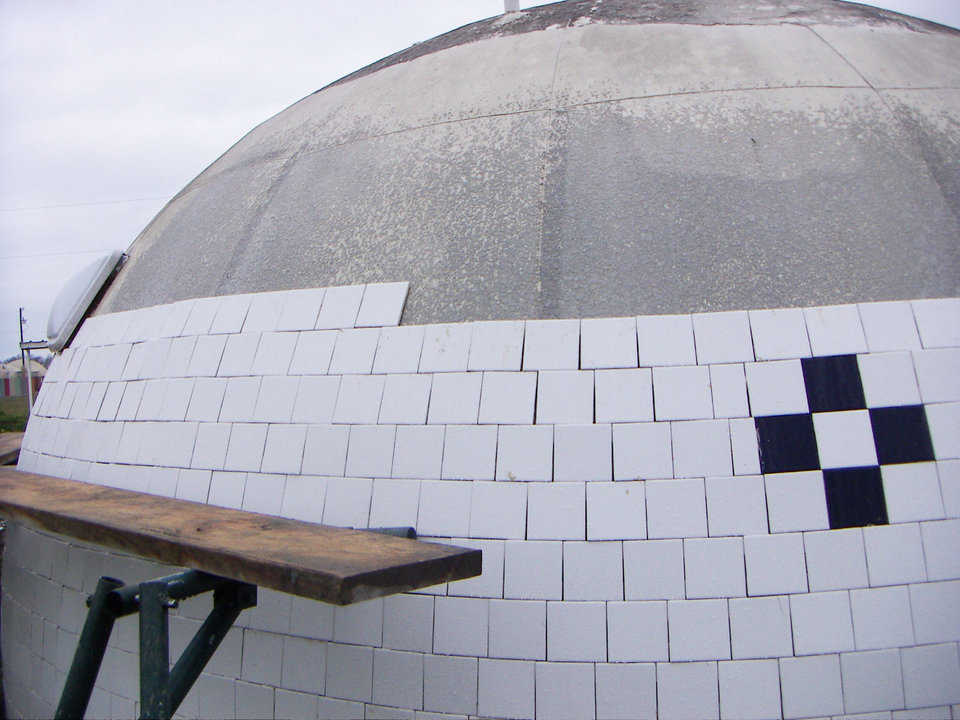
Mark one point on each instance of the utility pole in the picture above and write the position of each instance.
(25, 359)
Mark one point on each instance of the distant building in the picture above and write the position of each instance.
(13, 380)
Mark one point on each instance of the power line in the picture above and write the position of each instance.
(84, 204)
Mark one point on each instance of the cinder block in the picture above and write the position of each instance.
(687, 690)
(518, 629)
(616, 511)
(506, 689)
(525, 452)
(496, 345)
(676, 508)
(325, 450)
(779, 334)
(653, 570)
(699, 630)
(556, 511)
(582, 452)
(775, 564)
(714, 567)
(533, 570)
(637, 631)
(551, 345)
(821, 623)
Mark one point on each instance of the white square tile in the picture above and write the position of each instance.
(226, 489)
(418, 451)
(460, 626)
(469, 452)
(533, 570)
(699, 630)
(582, 452)
(207, 353)
(405, 399)
(283, 452)
(230, 314)
(749, 689)
(608, 343)
(178, 360)
(358, 401)
(665, 340)
(518, 629)
(949, 472)
(370, 450)
(888, 379)
(245, 450)
(446, 347)
(263, 493)
(153, 396)
(676, 508)
(889, 326)
(238, 355)
(881, 618)
(507, 398)
(565, 690)
(796, 501)
(577, 631)
(335, 709)
(775, 564)
(723, 337)
(340, 307)
(944, 422)
(201, 315)
(835, 330)
(455, 398)
(408, 622)
(296, 705)
(736, 505)
(304, 664)
(776, 388)
(489, 583)
(193, 485)
(313, 352)
(349, 672)
(835, 559)
(687, 690)
(303, 498)
(395, 503)
(940, 543)
(642, 451)
(551, 345)
(525, 452)
(637, 631)
(937, 374)
(276, 399)
(556, 511)
(624, 395)
(206, 399)
(498, 510)
(938, 320)
(894, 554)
(653, 570)
(300, 309)
(565, 396)
(714, 567)
(779, 334)
(760, 627)
(798, 675)
(382, 304)
(729, 389)
(912, 492)
(616, 511)
(450, 684)
(263, 666)
(444, 508)
(701, 448)
(626, 692)
(210, 450)
(399, 349)
(316, 399)
(325, 450)
(845, 439)
(821, 623)
(682, 393)
(931, 675)
(935, 615)
(274, 353)
(347, 502)
(506, 689)
(240, 399)
(871, 681)
(496, 345)
(397, 678)
(174, 406)
(592, 571)
(354, 351)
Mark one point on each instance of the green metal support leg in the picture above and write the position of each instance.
(154, 651)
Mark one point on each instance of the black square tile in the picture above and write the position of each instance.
(855, 497)
(787, 443)
(833, 383)
(901, 434)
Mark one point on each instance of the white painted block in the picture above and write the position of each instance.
(174, 405)
(205, 400)
(665, 340)
(937, 374)
(592, 571)
(714, 567)
(871, 681)
(736, 505)
(340, 307)
(760, 627)
(949, 472)
(263, 493)
(701, 448)
(642, 451)
(178, 359)
(153, 395)
(699, 630)
(469, 452)
(238, 355)
(245, 450)
(582, 452)
(881, 618)
(687, 690)
(935, 611)
(444, 508)
(722, 337)
(394, 503)
(304, 664)
(551, 345)
(405, 399)
(729, 389)
(626, 691)
(210, 449)
(888, 379)
(418, 452)
(533, 570)
(556, 511)
(796, 501)
(940, 543)
(283, 452)
(608, 343)
(653, 570)
(836, 559)
(455, 398)
(518, 629)
(506, 689)
(894, 554)
(775, 564)
(889, 326)
(616, 511)
(335, 709)
(682, 393)
(229, 316)
(240, 399)
(938, 320)
(835, 330)
(749, 689)
(354, 351)
(226, 489)
(300, 308)
(263, 659)
(313, 352)
(779, 334)
(325, 450)
(496, 345)
(408, 622)
(845, 439)
(347, 502)
(274, 353)
(525, 452)
(398, 350)
(370, 450)
(498, 510)
(207, 353)
(382, 304)
(349, 672)
(111, 402)
(637, 631)
(944, 422)
(912, 492)
(489, 583)
(155, 361)
(446, 347)
(316, 399)
(398, 678)
(776, 388)
(276, 399)
(565, 396)
(450, 684)
(798, 675)
(296, 705)
(821, 623)
(303, 498)
(931, 675)
(676, 508)
(358, 401)
(507, 398)
(565, 691)
(460, 626)
(201, 316)
(624, 395)
(577, 631)
(193, 485)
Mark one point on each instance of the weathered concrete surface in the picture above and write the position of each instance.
(622, 161)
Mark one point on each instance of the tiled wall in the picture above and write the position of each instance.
(781, 539)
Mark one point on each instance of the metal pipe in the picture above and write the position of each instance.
(154, 651)
(179, 586)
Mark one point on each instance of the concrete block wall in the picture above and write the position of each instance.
(729, 515)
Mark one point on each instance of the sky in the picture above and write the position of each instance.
(109, 108)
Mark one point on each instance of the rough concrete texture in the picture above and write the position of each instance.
(586, 158)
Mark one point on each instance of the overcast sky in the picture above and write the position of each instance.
(107, 109)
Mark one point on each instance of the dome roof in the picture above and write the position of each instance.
(596, 158)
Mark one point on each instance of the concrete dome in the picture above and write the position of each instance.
(587, 158)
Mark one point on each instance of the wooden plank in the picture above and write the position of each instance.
(10, 447)
(335, 565)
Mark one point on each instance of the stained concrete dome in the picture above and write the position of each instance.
(596, 158)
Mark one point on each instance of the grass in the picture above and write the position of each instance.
(13, 414)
